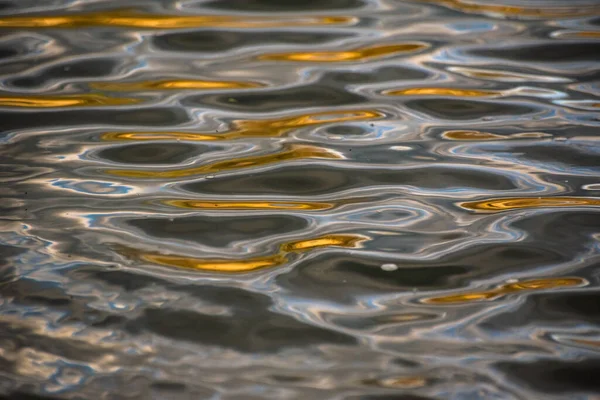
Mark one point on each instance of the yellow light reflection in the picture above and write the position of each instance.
(174, 84)
(517, 203)
(215, 265)
(253, 128)
(547, 11)
(530, 285)
(475, 73)
(471, 135)
(482, 136)
(126, 18)
(294, 152)
(249, 205)
(251, 264)
(441, 91)
(360, 54)
(59, 101)
(150, 136)
(405, 382)
(587, 34)
(587, 342)
(504, 76)
(348, 241)
(280, 126)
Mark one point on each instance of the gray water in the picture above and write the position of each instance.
(318, 199)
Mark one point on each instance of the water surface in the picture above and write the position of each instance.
(318, 199)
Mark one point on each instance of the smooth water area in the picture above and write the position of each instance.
(286, 199)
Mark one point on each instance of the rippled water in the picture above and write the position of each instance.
(318, 199)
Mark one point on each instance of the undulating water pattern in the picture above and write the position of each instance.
(300, 199)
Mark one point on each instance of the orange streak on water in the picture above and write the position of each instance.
(517, 203)
(62, 101)
(404, 382)
(359, 54)
(483, 136)
(253, 128)
(530, 285)
(249, 205)
(441, 91)
(126, 18)
(294, 152)
(250, 264)
(215, 265)
(174, 84)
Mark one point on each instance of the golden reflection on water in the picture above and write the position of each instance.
(253, 128)
(173, 84)
(481, 136)
(249, 205)
(251, 264)
(67, 100)
(293, 152)
(547, 11)
(441, 91)
(248, 265)
(503, 76)
(587, 34)
(517, 203)
(149, 136)
(471, 135)
(127, 18)
(359, 54)
(530, 285)
(587, 342)
(404, 382)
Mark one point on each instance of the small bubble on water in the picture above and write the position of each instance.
(512, 280)
(210, 176)
(560, 139)
(389, 267)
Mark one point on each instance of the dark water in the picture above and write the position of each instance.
(318, 199)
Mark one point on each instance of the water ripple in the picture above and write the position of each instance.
(316, 199)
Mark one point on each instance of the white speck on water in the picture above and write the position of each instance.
(210, 176)
(401, 148)
(512, 280)
(560, 139)
(389, 267)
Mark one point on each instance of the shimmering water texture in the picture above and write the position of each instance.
(299, 199)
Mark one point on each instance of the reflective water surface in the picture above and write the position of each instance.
(299, 199)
